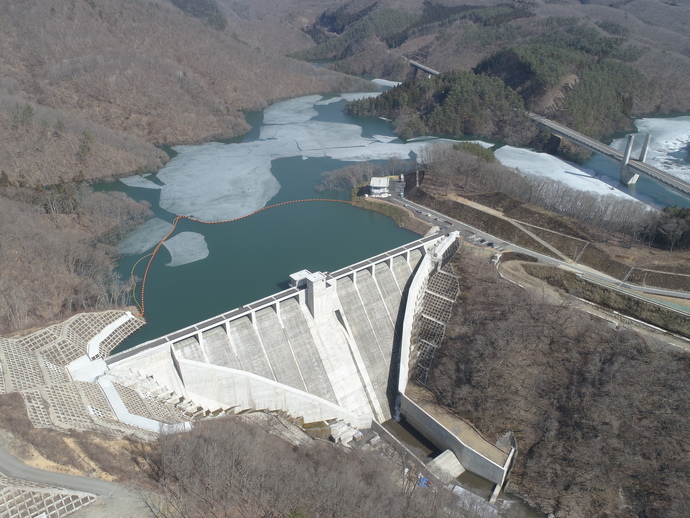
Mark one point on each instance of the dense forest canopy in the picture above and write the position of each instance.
(600, 413)
(455, 104)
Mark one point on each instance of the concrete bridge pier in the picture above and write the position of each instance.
(645, 147)
(627, 177)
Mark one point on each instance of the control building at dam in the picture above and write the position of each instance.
(335, 347)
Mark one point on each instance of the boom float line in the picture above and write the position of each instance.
(174, 226)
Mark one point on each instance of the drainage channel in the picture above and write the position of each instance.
(508, 505)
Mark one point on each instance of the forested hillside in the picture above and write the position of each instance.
(600, 413)
(577, 75)
(453, 104)
(86, 87)
(57, 249)
(590, 66)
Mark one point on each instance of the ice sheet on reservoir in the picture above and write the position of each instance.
(185, 248)
(330, 100)
(544, 165)
(375, 151)
(668, 148)
(338, 141)
(292, 111)
(139, 181)
(316, 135)
(145, 237)
(218, 182)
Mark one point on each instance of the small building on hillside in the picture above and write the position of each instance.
(378, 187)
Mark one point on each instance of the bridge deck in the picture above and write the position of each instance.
(652, 172)
(425, 68)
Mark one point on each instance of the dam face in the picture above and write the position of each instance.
(321, 350)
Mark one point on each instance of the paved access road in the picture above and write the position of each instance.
(449, 224)
(17, 469)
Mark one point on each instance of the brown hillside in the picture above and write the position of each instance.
(143, 68)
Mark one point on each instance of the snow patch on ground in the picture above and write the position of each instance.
(145, 237)
(386, 82)
(668, 148)
(359, 95)
(544, 165)
(485, 145)
(185, 248)
(385, 138)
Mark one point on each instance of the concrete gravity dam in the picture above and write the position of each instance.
(320, 350)
(335, 348)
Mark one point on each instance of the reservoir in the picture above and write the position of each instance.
(232, 264)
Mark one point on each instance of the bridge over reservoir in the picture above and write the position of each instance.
(418, 66)
(630, 168)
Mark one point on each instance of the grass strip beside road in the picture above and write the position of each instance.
(649, 312)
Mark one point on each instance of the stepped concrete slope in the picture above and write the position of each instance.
(321, 350)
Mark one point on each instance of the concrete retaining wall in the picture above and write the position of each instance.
(429, 264)
(444, 439)
(415, 294)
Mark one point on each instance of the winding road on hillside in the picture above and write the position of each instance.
(449, 224)
(14, 468)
